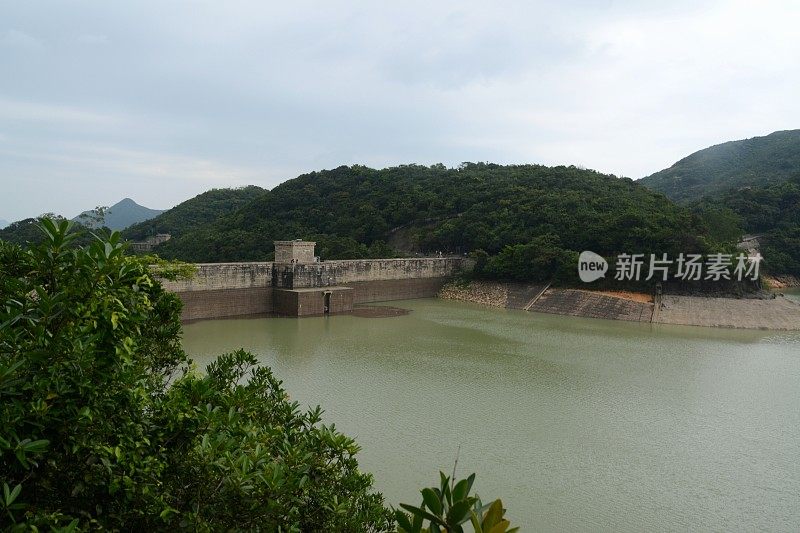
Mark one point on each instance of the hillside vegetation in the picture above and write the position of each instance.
(759, 161)
(354, 211)
(195, 212)
(772, 211)
(29, 231)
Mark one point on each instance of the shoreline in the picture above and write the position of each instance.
(774, 314)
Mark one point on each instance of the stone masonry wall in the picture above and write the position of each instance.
(217, 276)
(236, 289)
(331, 273)
(220, 303)
(386, 290)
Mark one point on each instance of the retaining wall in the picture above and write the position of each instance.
(224, 276)
(220, 303)
(235, 289)
(332, 273)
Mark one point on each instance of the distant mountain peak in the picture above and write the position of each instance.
(196, 212)
(125, 213)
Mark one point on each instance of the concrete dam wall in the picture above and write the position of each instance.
(301, 289)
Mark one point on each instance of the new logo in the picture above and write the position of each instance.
(591, 266)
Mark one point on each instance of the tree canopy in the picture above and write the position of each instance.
(195, 212)
(105, 425)
(362, 212)
(770, 211)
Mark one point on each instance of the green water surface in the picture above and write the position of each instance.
(578, 424)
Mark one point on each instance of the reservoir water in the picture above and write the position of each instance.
(578, 424)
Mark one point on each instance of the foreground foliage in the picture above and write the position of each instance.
(449, 506)
(103, 425)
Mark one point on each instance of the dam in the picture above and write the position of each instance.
(298, 284)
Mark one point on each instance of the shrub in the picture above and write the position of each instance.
(103, 424)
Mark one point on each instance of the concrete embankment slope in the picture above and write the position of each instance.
(593, 305)
(774, 314)
(541, 298)
(778, 313)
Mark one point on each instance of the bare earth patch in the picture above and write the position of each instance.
(641, 297)
(782, 282)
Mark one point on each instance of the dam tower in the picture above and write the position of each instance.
(303, 285)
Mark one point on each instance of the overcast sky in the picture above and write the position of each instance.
(159, 101)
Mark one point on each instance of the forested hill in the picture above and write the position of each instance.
(194, 213)
(759, 161)
(361, 212)
(772, 212)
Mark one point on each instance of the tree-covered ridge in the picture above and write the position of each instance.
(453, 210)
(750, 162)
(22, 231)
(195, 212)
(771, 211)
(29, 231)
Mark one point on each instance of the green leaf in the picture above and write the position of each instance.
(10, 495)
(459, 512)
(423, 513)
(432, 501)
(404, 522)
(462, 488)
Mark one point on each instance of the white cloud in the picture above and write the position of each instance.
(23, 111)
(185, 99)
(19, 39)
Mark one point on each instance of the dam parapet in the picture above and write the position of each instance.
(301, 285)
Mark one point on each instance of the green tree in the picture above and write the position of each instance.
(104, 424)
(542, 259)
